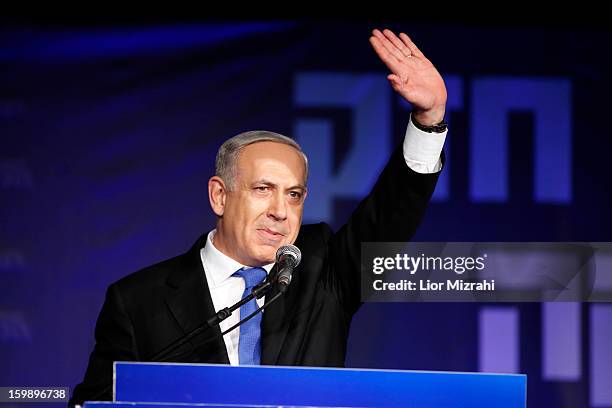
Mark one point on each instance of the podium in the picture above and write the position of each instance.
(164, 385)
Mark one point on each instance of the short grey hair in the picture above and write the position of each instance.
(226, 163)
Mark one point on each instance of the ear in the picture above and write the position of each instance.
(217, 194)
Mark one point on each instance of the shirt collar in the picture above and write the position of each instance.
(218, 266)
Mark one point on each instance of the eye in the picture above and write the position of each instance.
(262, 189)
(295, 195)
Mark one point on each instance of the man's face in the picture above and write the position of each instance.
(264, 209)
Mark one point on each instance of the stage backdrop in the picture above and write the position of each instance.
(108, 135)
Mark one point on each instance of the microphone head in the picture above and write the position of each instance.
(291, 251)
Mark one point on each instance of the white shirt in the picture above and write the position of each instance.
(422, 150)
(225, 290)
(422, 154)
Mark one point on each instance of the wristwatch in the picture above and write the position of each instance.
(439, 128)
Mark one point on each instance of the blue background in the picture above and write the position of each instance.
(108, 135)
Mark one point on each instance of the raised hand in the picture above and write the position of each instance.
(412, 75)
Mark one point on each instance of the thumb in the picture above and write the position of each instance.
(396, 83)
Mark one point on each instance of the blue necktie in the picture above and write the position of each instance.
(249, 343)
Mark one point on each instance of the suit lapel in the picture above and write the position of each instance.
(189, 301)
(277, 318)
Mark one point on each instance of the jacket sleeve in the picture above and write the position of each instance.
(115, 341)
(391, 212)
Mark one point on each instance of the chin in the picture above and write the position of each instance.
(265, 257)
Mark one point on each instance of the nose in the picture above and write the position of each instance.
(278, 208)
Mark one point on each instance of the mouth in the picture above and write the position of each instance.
(270, 235)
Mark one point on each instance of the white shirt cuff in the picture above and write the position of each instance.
(422, 149)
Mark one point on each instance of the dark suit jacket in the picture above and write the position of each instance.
(147, 310)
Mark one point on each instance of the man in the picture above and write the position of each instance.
(258, 194)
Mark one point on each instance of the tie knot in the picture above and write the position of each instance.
(251, 276)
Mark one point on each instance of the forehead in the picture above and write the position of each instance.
(271, 159)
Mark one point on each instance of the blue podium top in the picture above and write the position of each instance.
(173, 384)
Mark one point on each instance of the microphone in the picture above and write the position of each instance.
(288, 257)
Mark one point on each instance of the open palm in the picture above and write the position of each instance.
(412, 75)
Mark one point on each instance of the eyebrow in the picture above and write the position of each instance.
(271, 184)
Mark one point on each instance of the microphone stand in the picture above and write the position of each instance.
(249, 317)
(258, 291)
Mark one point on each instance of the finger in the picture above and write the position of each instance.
(389, 59)
(388, 45)
(396, 79)
(393, 78)
(397, 42)
(411, 45)
(396, 83)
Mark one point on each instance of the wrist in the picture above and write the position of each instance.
(430, 117)
(438, 126)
